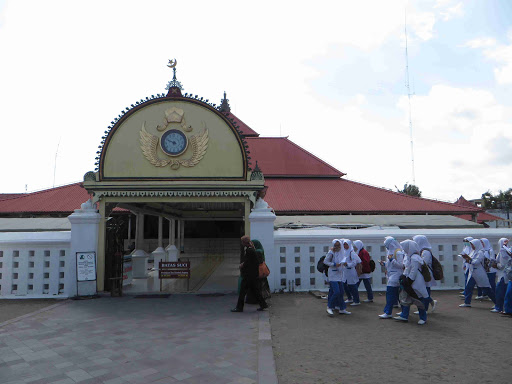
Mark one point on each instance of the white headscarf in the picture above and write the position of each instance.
(410, 247)
(478, 246)
(487, 246)
(422, 242)
(467, 248)
(502, 244)
(349, 249)
(359, 245)
(391, 244)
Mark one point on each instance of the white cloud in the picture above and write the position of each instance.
(452, 12)
(499, 53)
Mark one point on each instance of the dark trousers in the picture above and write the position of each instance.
(250, 284)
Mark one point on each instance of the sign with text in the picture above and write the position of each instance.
(174, 270)
(86, 266)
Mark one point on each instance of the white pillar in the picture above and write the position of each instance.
(139, 256)
(172, 251)
(262, 228)
(159, 253)
(84, 238)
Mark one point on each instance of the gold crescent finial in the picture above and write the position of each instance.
(172, 63)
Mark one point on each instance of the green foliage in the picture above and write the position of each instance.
(501, 200)
(409, 189)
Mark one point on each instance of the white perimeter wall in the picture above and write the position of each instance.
(296, 253)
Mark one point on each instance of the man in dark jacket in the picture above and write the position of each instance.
(249, 269)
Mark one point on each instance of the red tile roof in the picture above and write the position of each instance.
(280, 157)
(60, 200)
(481, 217)
(5, 196)
(462, 201)
(246, 131)
(344, 196)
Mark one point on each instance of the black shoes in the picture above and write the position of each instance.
(237, 310)
(262, 308)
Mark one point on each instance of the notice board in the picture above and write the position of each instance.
(86, 266)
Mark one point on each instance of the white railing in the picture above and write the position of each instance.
(296, 253)
(33, 264)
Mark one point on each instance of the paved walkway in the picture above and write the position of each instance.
(179, 339)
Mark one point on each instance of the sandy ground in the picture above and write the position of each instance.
(457, 345)
(10, 309)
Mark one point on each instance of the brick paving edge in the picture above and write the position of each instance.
(48, 308)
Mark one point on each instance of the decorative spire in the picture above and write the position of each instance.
(174, 86)
(224, 104)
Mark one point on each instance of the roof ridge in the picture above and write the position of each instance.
(29, 194)
(476, 209)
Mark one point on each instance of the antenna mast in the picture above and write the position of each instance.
(55, 164)
(409, 98)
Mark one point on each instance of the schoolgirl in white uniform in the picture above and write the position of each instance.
(394, 269)
(503, 260)
(477, 273)
(426, 255)
(491, 257)
(413, 263)
(334, 260)
(465, 265)
(349, 270)
(366, 275)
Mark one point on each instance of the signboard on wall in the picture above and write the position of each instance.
(174, 270)
(86, 266)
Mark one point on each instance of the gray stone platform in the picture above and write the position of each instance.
(179, 339)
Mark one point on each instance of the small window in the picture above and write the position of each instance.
(15, 287)
(456, 279)
(382, 248)
(46, 253)
(282, 249)
(46, 286)
(15, 264)
(455, 268)
(31, 264)
(369, 248)
(46, 275)
(15, 253)
(384, 282)
(383, 258)
(31, 253)
(283, 270)
(311, 259)
(61, 275)
(283, 282)
(442, 280)
(282, 259)
(1, 264)
(326, 249)
(297, 281)
(441, 257)
(30, 275)
(312, 269)
(0, 275)
(30, 287)
(14, 276)
(62, 252)
(297, 259)
(297, 270)
(47, 264)
(1, 253)
(312, 281)
(455, 257)
(454, 248)
(383, 269)
(296, 249)
(62, 264)
(61, 287)
(441, 248)
(311, 249)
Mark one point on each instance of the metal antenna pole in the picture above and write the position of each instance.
(55, 164)
(409, 98)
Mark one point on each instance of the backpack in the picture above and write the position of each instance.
(437, 268)
(365, 262)
(425, 271)
(321, 267)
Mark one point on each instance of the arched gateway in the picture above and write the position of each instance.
(175, 157)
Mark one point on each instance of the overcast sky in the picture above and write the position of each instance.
(329, 75)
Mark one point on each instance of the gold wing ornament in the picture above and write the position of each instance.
(149, 145)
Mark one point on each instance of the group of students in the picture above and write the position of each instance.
(410, 275)
(483, 267)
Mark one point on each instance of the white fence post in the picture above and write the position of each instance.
(84, 238)
(262, 228)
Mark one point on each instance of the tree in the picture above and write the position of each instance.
(409, 189)
(499, 201)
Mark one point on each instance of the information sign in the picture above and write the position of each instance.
(86, 266)
(174, 270)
